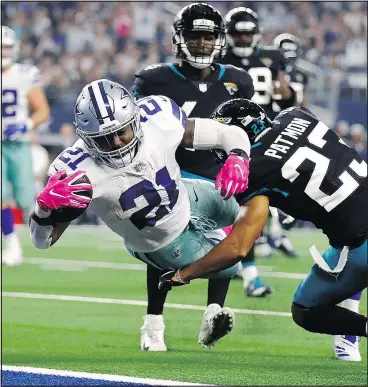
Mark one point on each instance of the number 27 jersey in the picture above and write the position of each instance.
(307, 171)
(144, 202)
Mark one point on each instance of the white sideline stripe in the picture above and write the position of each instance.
(137, 266)
(131, 302)
(100, 265)
(104, 377)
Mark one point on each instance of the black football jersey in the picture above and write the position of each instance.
(197, 99)
(263, 66)
(308, 172)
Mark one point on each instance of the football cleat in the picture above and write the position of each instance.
(217, 322)
(347, 348)
(285, 246)
(12, 254)
(262, 248)
(256, 288)
(152, 334)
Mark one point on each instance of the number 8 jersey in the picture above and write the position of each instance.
(144, 202)
(307, 171)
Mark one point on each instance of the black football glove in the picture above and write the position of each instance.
(169, 279)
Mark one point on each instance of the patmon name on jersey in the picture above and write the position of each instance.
(296, 127)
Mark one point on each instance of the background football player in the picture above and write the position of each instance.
(302, 167)
(291, 47)
(198, 85)
(23, 107)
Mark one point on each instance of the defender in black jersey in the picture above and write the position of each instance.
(290, 46)
(302, 167)
(198, 85)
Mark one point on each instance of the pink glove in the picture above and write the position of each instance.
(60, 192)
(233, 176)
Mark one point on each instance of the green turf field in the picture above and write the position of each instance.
(98, 332)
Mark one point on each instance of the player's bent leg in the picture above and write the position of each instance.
(315, 301)
(153, 329)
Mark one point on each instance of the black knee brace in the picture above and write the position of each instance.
(332, 320)
(301, 315)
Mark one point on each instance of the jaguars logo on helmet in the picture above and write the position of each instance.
(199, 17)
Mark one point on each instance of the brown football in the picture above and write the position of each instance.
(69, 214)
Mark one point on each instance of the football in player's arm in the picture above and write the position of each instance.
(305, 169)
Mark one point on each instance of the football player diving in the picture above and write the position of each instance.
(23, 108)
(198, 84)
(302, 167)
(124, 168)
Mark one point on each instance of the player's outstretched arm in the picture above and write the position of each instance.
(229, 251)
(202, 133)
(63, 199)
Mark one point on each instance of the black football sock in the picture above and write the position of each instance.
(217, 291)
(156, 297)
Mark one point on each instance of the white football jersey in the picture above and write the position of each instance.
(145, 202)
(16, 82)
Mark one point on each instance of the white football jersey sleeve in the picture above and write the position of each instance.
(17, 81)
(145, 202)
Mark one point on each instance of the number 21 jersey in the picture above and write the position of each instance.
(307, 171)
(144, 202)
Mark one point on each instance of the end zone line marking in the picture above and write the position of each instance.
(108, 377)
(132, 302)
(138, 266)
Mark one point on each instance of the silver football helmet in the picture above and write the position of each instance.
(107, 119)
(9, 47)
